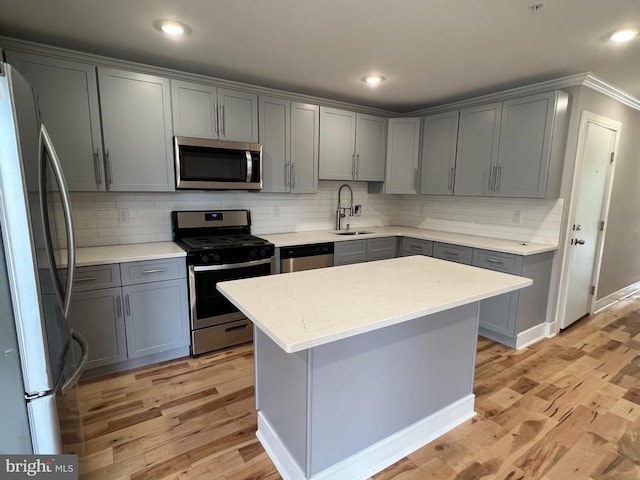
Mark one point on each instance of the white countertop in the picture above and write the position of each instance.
(134, 252)
(495, 244)
(305, 309)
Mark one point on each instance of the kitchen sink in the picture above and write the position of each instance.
(350, 232)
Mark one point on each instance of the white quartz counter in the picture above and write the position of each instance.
(86, 256)
(495, 244)
(305, 309)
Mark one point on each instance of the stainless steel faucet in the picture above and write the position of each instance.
(341, 211)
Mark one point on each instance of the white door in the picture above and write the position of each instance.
(593, 194)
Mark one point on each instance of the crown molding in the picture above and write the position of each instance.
(595, 83)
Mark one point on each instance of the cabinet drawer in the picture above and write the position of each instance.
(453, 253)
(95, 277)
(416, 246)
(502, 262)
(381, 248)
(153, 270)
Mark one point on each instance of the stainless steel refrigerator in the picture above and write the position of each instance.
(41, 358)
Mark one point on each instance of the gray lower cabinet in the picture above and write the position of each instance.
(357, 251)
(453, 253)
(352, 251)
(415, 246)
(503, 317)
(382, 248)
(130, 310)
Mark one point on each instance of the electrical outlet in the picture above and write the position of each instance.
(276, 212)
(357, 210)
(517, 217)
(123, 215)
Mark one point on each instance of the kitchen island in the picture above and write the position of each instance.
(359, 365)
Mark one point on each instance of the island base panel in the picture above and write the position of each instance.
(367, 400)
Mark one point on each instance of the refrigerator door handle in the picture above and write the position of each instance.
(84, 359)
(47, 144)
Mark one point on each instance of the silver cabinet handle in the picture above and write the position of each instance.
(292, 175)
(96, 165)
(287, 174)
(491, 179)
(85, 279)
(491, 260)
(119, 305)
(415, 179)
(451, 173)
(107, 160)
(353, 166)
(215, 117)
(127, 306)
(357, 164)
(221, 118)
(154, 270)
(498, 178)
(45, 144)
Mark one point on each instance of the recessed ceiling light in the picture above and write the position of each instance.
(172, 28)
(373, 79)
(624, 35)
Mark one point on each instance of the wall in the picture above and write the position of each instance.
(621, 256)
(96, 215)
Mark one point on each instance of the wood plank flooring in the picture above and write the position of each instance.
(567, 408)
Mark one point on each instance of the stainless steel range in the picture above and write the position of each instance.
(219, 247)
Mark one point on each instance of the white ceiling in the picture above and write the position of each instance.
(431, 51)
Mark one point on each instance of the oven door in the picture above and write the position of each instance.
(208, 306)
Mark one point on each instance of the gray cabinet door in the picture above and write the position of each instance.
(156, 317)
(371, 135)
(477, 150)
(382, 248)
(525, 146)
(438, 159)
(305, 132)
(416, 246)
(194, 109)
(98, 316)
(68, 101)
(402, 156)
(238, 115)
(275, 126)
(352, 251)
(498, 314)
(136, 125)
(337, 144)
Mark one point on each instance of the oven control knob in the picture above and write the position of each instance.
(204, 258)
(216, 258)
(263, 252)
(253, 253)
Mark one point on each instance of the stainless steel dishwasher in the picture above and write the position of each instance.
(306, 257)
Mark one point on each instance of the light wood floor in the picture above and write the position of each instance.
(566, 408)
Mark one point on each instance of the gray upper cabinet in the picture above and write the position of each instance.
(438, 159)
(305, 133)
(206, 111)
(371, 135)
(289, 137)
(136, 126)
(68, 100)
(513, 148)
(477, 150)
(337, 144)
(402, 156)
(352, 146)
(525, 151)
(275, 130)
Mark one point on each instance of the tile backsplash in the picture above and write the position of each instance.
(107, 218)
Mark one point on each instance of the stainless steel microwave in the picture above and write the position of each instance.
(206, 164)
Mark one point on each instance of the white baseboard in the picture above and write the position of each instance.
(531, 336)
(551, 329)
(378, 456)
(614, 297)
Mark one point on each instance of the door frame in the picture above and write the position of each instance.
(586, 118)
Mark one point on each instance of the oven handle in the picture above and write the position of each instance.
(229, 266)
